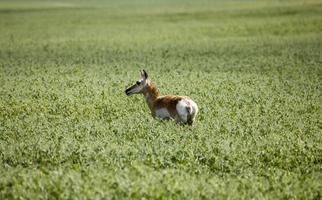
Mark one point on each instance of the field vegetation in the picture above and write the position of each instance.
(68, 131)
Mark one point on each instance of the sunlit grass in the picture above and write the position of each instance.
(67, 129)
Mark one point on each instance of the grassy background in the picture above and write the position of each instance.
(67, 130)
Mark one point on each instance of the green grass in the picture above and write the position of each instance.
(68, 131)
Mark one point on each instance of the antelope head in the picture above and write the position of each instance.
(139, 86)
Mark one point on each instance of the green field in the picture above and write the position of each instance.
(68, 131)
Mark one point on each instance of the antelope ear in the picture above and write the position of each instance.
(144, 75)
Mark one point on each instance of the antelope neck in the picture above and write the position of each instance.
(150, 94)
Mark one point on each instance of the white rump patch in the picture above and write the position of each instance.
(162, 113)
(194, 107)
(182, 110)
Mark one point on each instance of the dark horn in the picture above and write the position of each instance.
(145, 74)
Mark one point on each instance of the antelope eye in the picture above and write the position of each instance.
(138, 82)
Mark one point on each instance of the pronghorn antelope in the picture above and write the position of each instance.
(180, 108)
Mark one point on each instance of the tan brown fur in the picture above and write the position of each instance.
(169, 102)
(155, 101)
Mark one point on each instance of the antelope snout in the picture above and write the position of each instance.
(127, 92)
